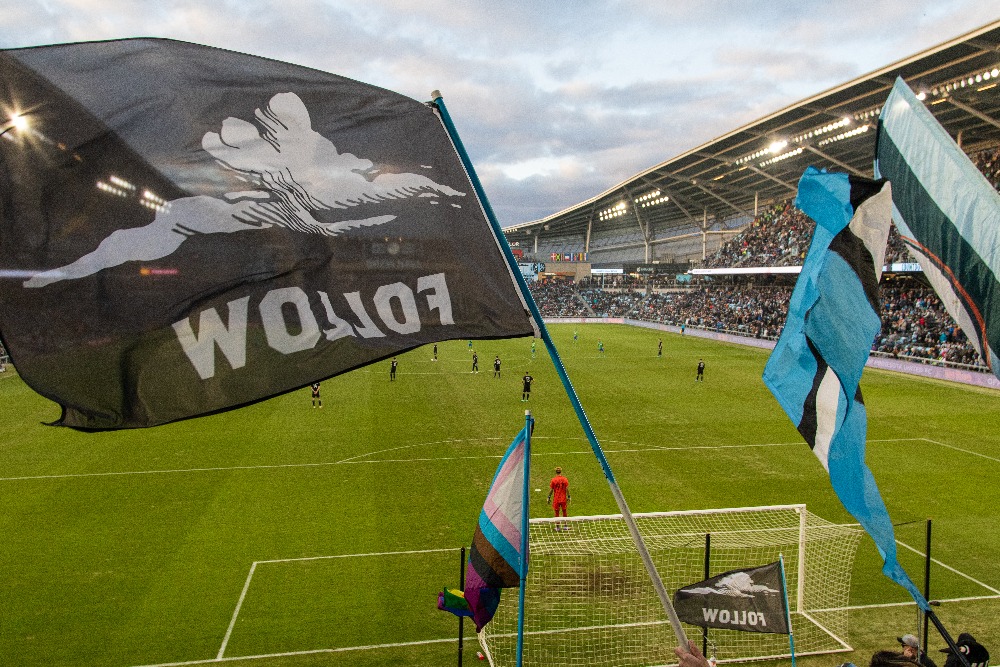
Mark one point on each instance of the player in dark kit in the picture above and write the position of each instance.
(701, 371)
(435, 352)
(392, 370)
(475, 362)
(526, 390)
(315, 395)
(496, 367)
(659, 348)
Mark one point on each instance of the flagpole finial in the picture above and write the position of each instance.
(435, 94)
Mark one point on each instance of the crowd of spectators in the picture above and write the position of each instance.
(611, 304)
(742, 309)
(988, 162)
(777, 237)
(558, 299)
(915, 325)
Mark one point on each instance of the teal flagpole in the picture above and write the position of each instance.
(788, 614)
(528, 424)
(543, 332)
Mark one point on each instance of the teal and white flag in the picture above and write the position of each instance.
(947, 213)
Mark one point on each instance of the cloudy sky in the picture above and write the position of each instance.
(556, 100)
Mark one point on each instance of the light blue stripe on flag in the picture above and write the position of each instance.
(815, 369)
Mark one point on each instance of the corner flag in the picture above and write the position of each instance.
(498, 558)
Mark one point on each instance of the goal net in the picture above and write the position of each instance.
(589, 600)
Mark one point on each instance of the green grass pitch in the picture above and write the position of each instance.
(134, 548)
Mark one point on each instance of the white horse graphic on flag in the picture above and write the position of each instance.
(294, 173)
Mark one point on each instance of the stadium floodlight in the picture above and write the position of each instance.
(17, 122)
(777, 146)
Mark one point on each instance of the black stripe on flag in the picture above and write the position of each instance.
(808, 424)
(854, 251)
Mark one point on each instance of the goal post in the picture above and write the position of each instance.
(589, 600)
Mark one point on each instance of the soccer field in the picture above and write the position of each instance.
(288, 535)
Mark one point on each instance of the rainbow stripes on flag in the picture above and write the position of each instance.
(495, 560)
(454, 601)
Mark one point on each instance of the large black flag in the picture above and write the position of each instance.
(186, 230)
(752, 600)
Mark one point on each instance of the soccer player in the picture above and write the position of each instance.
(475, 362)
(559, 496)
(532, 348)
(701, 371)
(315, 395)
(526, 390)
(435, 352)
(392, 370)
(600, 346)
(470, 345)
(574, 336)
(659, 348)
(496, 367)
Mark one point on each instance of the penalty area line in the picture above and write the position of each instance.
(964, 451)
(318, 651)
(253, 569)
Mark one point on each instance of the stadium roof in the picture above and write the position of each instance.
(762, 161)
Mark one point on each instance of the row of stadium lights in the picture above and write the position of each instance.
(649, 199)
(122, 188)
(776, 147)
(970, 81)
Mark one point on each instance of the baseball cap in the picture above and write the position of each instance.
(908, 640)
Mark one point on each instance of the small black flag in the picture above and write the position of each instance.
(752, 600)
(185, 230)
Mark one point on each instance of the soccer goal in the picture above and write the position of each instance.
(589, 600)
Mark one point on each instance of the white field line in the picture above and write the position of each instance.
(374, 553)
(236, 612)
(964, 451)
(452, 640)
(253, 568)
(289, 654)
(354, 459)
(949, 568)
(907, 603)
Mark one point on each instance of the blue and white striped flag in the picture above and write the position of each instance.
(947, 213)
(833, 318)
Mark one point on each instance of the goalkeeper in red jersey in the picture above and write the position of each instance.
(559, 496)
